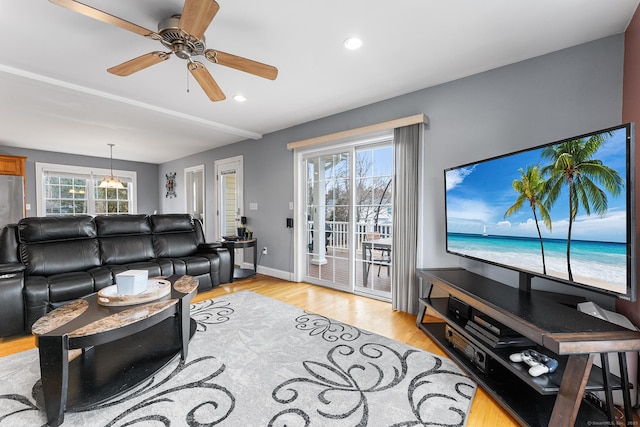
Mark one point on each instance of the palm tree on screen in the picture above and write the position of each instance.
(573, 166)
(530, 189)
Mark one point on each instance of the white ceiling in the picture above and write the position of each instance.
(56, 94)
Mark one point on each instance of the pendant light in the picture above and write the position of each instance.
(111, 181)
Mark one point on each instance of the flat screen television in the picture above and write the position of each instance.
(563, 211)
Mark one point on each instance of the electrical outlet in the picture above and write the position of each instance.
(264, 250)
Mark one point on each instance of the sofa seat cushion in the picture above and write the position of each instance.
(68, 286)
(152, 267)
(102, 277)
(197, 265)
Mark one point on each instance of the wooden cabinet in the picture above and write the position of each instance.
(12, 165)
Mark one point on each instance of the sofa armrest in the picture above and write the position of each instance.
(11, 269)
(226, 268)
(36, 299)
(12, 308)
(225, 272)
(209, 247)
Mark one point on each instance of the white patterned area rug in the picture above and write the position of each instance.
(256, 361)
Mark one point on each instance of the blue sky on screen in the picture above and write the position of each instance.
(480, 194)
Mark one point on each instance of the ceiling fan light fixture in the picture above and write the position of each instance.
(353, 43)
(183, 36)
(111, 181)
(240, 98)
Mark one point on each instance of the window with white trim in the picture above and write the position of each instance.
(74, 190)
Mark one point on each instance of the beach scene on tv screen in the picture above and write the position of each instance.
(559, 210)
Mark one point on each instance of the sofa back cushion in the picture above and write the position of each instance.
(53, 245)
(124, 238)
(174, 235)
(171, 223)
(46, 229)
(175, 245)
(126, 249)
(118, 225)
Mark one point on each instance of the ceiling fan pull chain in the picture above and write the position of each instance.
(188, 79)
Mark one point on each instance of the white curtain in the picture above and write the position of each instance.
(406, 143)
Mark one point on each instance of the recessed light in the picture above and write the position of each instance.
(240, 98)
(353, 43)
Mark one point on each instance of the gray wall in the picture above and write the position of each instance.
(147, 173)
(533, 102)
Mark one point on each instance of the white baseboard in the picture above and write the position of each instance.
(280, 274)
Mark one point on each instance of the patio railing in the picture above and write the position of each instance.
(339, 233)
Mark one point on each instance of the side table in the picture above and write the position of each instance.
(239, 272)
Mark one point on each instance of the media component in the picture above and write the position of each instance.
(477, 356)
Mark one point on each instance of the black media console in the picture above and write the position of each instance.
(480, 322)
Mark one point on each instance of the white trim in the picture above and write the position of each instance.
(299, 218)
(83, 170)
(299, 189)
(280, 274)
(198, 168)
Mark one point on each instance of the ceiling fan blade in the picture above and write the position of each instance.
(206, 81)
(243, 64)
(197, 15)
(139, 63)
(104, 17)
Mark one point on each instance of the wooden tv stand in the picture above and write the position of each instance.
(559, 331)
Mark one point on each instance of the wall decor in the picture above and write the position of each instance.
(171, 185)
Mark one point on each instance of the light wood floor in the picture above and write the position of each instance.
(372, 315)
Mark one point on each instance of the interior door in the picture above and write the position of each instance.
(230, 199)
(195, 191)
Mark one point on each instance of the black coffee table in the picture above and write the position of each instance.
(117, 347)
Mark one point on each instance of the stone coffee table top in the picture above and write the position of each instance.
(112, 319)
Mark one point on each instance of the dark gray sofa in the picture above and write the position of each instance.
(46, 262)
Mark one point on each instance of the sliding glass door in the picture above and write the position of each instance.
(348, 218)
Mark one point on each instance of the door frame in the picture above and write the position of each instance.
(299, 197)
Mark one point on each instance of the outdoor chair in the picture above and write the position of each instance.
(380, 256)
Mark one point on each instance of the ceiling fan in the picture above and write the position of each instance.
(183, 35)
